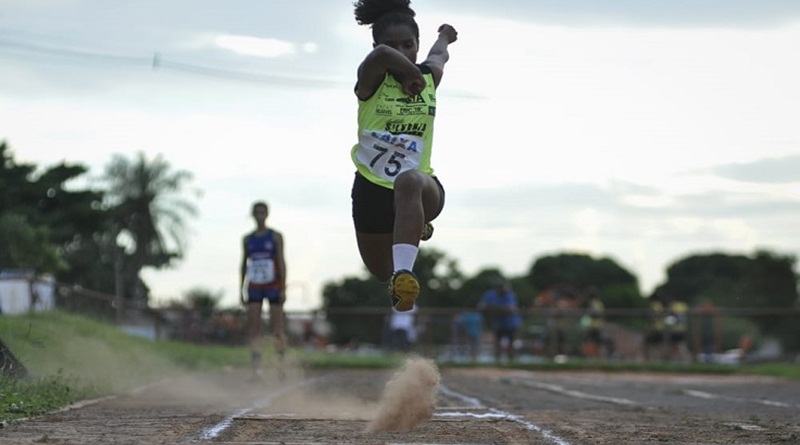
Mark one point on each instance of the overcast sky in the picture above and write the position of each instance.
(639, 130)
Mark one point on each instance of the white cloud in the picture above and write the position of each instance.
(244, 45)
(310, 47)
(255, 46)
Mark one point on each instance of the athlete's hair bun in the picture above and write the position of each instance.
(368, 11)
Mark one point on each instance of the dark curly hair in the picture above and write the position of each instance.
(384, 13)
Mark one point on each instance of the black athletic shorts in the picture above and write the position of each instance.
(373, 205)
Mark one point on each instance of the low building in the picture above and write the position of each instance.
(22, 291)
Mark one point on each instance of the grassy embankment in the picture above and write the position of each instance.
(71, 358)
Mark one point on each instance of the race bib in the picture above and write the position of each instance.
(387, 155)
(261, 271)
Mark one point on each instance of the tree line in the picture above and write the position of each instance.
(762, 280)
(100, 235)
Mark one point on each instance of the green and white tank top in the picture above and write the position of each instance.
(395, 131)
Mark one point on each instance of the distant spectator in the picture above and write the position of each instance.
(654, 347)
(676, 329)
(592, 323)
(558, 301)
(470, 331)
(499, 307)
(402, 329)
(708, 330)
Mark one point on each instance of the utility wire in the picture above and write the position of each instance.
(32, 49)
(157, 62)
(284, 80)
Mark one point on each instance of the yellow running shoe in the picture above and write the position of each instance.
(427, 232)
(404, 290)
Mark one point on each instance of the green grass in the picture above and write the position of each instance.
(71, 358)
(784, 370)
(28, 398)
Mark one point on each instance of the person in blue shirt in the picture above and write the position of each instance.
(501, 311)
(471, 329)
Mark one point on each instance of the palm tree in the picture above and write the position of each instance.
(146, 199)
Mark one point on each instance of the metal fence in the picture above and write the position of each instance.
(460, 334)
(728, 335)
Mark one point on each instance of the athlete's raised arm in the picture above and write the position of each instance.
(439, 54)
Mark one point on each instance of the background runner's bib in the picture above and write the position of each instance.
(261, 256)
(261, 271)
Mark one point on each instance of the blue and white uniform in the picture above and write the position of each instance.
(264, 277)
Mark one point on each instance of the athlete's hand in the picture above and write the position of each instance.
(449, 32)
(413, 84)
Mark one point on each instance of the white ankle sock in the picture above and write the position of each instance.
(404, 256)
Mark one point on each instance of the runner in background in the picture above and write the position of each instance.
(263, 277)
(500, 308)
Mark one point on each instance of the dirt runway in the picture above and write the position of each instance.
(472, 406)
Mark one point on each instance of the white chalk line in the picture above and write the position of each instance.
(627, 402)
(224, 424)
(578, 394)
(711, 396)
(491, 413)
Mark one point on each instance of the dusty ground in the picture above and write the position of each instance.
(480, 406)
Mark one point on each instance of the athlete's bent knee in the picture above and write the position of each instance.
(409, 180)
